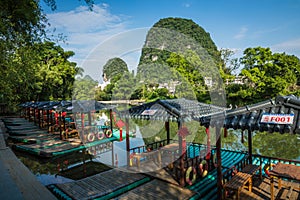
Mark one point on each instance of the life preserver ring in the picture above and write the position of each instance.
(131, 159)
(56, 127)
(188, 172)
(215, 162)
(91, 137)
(268, 167)
(100, 135)
(234, 171)
(108, 133)
(202, 168)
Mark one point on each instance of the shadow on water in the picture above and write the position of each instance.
(61, 169)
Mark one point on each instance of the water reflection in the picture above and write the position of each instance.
(267, 144)
(57, 170)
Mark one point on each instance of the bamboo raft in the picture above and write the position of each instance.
(51, 148)
(112, 183)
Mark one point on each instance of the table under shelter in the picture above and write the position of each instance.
(284, 171)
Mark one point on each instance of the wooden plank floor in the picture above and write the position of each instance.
(261, 190)
(100, 184)
(157, 189)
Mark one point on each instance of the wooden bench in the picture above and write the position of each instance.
(237, 183)
(150, 155)
(252, 169)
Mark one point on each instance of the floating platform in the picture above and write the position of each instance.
(115, 182)
(151, 185)
(55, 147)
(34, 138)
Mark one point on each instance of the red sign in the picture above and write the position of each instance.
(277, 118)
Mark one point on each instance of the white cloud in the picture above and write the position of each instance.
(289, 47)
(85, 29)
(82, 20)
(186, 5)
(242, 33)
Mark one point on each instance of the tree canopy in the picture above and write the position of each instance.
(266, 75)
(32, 66)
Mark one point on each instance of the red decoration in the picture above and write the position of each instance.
(121, 135)
(183, 131)
(208, 153)
(120, 124)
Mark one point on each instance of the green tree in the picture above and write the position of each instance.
(84, 88)
(266, 75)
(22, 28)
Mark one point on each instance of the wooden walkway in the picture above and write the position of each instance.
(157, 189)
(119, 184)
(16, 179)
(102, 184)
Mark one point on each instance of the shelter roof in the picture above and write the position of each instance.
(279, 115)
(75, 105)
(89, 105)
(171, 110)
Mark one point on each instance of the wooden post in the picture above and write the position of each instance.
(82, 128)
(90, 118)
(59, 125)
(127, 142)
(42, 122)
(219, 163)
(34, 116)
(242, 137)
(48, 120)
(111, 119)
(39, 117)
(250, 145)
(113, 155)
(167, 126)
(181, 154)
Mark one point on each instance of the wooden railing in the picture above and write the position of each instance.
(194, 155)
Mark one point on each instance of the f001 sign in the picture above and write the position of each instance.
(277, 118)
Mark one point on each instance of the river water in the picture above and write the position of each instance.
(49, 171)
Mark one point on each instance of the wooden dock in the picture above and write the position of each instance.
(102, 184)
(115, 182)
(157, 189)
(15, 173)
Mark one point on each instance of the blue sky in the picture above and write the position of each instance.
(233, 24)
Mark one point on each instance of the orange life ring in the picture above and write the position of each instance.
(100, 135)
(234, 171)
(108, 133)
(268, 167)
(188, 172)
(131, 159)
(91, 137)
(215, 161)
(202, 168)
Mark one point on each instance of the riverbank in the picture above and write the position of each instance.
(17, 182)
